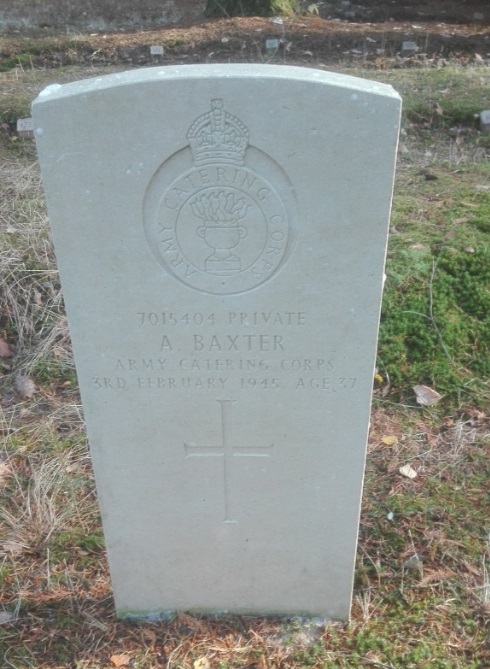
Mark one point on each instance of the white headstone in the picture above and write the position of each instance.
(221, 240)
(25, 128)
(409, 48)
(485, 121)
(156, 50)
(272, 44)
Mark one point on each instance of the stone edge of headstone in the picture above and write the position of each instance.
(235, 71)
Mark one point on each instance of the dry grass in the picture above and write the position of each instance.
(31, 303)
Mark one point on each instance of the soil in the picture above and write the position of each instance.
(375, 33)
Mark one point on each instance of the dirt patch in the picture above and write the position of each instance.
(305, 40)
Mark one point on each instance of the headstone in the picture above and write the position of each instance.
(221, 240)
(156, 50)
(485, 121)
(25, 128)
(409, 49)
(271, 44)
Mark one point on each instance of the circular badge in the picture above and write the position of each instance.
(220, 215)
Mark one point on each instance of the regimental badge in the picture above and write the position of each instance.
(220, 215)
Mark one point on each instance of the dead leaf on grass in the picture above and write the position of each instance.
(408, 471)
(202, 663)
(389, 440)
(24, 386)
(5, 472)
(5, 349)
(121, 660)
(426, 396)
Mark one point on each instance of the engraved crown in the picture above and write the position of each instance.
(217, 136)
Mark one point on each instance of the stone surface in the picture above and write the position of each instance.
(485, 121)
(25, 128)
(272, 44)
(221, 240)
(409, 48)
(156, 50)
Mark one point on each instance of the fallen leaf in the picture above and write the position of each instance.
(24, 386)
(469, 249)
(389, 439)
(120, 660)
(5, 617)
(438, 109)
(202, 663)
(407, 471)
(5, 471)
(37, 298)
(426, 396)
(5, 349)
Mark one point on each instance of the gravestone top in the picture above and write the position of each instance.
(221, 240)
(236, 71)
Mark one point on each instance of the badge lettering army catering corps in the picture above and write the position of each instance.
(220, 215)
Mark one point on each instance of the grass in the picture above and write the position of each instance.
(422, 588)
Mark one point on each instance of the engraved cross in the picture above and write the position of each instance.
(228, 451)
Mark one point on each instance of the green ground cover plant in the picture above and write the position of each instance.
(422, 579)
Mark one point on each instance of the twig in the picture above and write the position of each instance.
(431, 318)
(431, 315)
